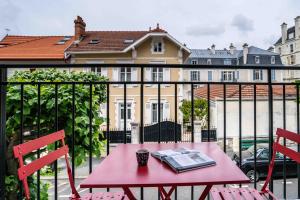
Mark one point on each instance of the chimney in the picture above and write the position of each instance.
(213, 50)
(283, 32)
(271, 49)
(79, 28)
(232, 49)
(245, 53)
(297, 27)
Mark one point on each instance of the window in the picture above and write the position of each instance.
(264, 154)
(157, 47)
(208, 61)
(228, 76)
(273, 75)
(125, 74)
(293, 59)
(291, 36)
(272, 59)
(291, 48)
(227, 62)
(209, 75)
(194, 62)
(257, 74)
(154, 112)
(94, 41)
(128, 41)
(96, 70)
(157, 74)
(128, 111)
(256, 59)
(279, 50)
(195, 75)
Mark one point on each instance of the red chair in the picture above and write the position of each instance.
(26, 170)
(218, 193)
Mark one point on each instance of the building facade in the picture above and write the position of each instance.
(288, 46)
(154, 46)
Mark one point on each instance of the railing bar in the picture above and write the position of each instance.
(125, 114)
(90, 130)
(142, 119)
(38, 135)
(254, 124)
(73, 131)
(224, 122)
(175, 126)
(192, 126)
(159, 114)
(55, 144)
(208, 111)
(240, 126)
(284, 141)
(20, 196)
(298, 131)
(107, 123)
(3, 93)
(270, 100)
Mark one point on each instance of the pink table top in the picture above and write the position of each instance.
(120, 169)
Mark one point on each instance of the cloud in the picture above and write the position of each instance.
(206, 30)
(9, 17)
(242, 23)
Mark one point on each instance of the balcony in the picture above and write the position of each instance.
(98, 114)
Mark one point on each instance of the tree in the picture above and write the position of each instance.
(200, 110)
(47, 121)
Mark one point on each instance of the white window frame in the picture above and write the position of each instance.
(195, 74)
(128, 111)
(157, 46)
(273, 60)
(154, 116)
(127, 74)
(257, 74)
(157, 74)
(96, 70)
(257, 59)
(273, 74)
(194, 62)
(228, 76)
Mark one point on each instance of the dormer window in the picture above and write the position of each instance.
(157, 46)
(208, 61)
(128, 41)
(272, 59)
(61, 42)
(94, 41)
(256, 59)
(194, 62)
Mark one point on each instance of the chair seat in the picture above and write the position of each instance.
(221, 193)
(105, 196)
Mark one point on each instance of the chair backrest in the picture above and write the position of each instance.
(26, 170)
(277, 147)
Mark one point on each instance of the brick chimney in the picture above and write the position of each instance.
(283, 32)
(245, 53)
(79, 28)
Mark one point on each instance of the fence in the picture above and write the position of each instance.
(124, 87)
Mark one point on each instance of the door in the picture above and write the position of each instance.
(122, 116)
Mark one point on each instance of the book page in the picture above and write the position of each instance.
(168, 152)
(184, 160)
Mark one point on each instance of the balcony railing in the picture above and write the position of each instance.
(179, 89)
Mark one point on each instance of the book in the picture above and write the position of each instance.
(182, 159)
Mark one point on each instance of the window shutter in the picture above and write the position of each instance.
(149, 114)
(147, 75)
(191, 75)
(115, 75)
(166, 112)
(222, 75)
(261, 75)
(166, 75)
(237, 75)
(134, 75)
(104, 71)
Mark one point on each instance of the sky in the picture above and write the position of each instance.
(197, 23)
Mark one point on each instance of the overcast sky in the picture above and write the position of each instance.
(198, 23)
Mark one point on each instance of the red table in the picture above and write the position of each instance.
(120, 169)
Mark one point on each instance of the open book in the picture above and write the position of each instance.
(183, 159)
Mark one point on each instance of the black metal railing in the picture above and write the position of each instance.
(123, 136)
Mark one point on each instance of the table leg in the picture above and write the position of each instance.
(129, 194)
(205, 192)
(166, 195)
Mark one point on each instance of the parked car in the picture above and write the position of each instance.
(262, 163)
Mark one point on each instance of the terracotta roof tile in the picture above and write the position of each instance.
(247, 91)
(33, 47)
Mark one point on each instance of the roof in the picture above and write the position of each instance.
(33, 47)
(117, 41)
(290, 30)
(108, 40)
(232, 91)
(256, 50)
(207, 53)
